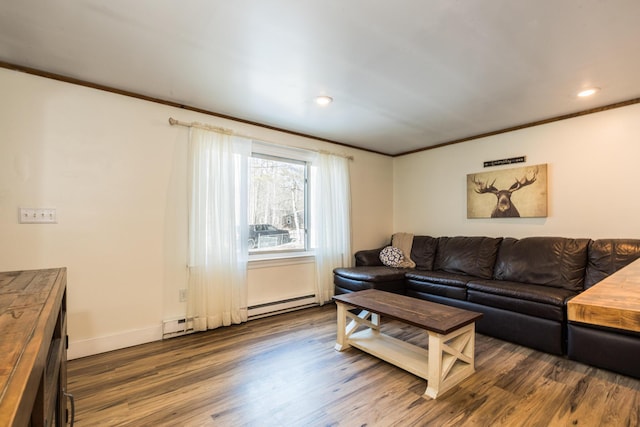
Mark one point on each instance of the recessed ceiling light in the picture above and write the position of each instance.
(324, 100)
(588, 92)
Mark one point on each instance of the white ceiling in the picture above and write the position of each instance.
(405, 74)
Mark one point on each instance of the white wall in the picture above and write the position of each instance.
(592, 162)
(115, 170)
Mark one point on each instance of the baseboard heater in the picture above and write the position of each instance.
(176, 327)
(183, 326)
(283, 306)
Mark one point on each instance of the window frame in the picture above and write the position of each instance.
(293, 155)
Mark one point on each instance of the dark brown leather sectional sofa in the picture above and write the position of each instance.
(520, 285)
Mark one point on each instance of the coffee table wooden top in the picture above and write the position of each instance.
(431, 316)
(613, 302)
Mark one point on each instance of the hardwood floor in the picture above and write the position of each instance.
(283, 371)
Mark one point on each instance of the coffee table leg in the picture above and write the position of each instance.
(435, 365)
(341, 340)
(363, 319)
(451, 359)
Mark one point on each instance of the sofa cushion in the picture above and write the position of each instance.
(549, 261)
(359, 278)
(440, 277)
(606, 256)
(441, 283)
(371, 274)
(474, 256)
(524, 291)
(417, 287)
(423, 251)
(534, 300)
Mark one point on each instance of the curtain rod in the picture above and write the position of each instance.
(175, 122)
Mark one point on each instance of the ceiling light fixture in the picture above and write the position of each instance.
(588, 92)
(324, 100)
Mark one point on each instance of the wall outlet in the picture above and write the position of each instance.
(182, 295)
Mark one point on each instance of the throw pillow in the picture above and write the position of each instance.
(391, 256)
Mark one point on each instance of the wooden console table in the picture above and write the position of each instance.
(451, 353)
(33, 347)
(613, 302)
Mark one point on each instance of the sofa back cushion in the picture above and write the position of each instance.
(550, 261)
(474, 256)
(606, 256)
(423, 251)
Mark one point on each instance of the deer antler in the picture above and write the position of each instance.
(524, 181)
(482, 187)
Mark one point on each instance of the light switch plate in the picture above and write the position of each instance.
(38, 216)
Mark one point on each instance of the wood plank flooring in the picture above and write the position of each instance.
(283, 371)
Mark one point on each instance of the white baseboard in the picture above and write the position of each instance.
(98, 345)
(91, 346)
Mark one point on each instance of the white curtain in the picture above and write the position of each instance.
(218, 232)
(332, 214)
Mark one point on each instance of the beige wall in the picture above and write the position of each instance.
(592, 180)
(116, 173)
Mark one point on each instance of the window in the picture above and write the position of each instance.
(277, 203)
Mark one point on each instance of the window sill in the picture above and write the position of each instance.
(276, 259)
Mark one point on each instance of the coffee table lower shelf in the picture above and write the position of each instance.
(407, 356)
(448, 360)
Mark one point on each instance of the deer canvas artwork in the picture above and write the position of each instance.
(508, 193)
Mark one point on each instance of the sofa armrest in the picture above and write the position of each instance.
(368, 257)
